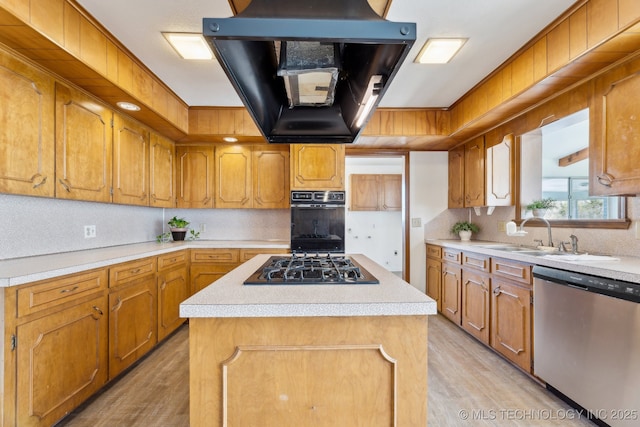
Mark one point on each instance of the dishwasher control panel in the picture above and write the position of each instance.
(603, 285)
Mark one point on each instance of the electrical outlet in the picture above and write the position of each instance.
(203, 228)
(416, 222)
(89, 231)
(502, 226)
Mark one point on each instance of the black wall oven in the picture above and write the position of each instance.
(317, 221)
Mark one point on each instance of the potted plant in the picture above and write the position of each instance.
(178, 227)
(539, 207)
(464, 229)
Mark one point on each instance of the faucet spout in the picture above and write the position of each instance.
(543, 220)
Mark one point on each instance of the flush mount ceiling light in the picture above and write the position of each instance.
(189, 46)
(230, 139)
(439, 51)
(128, 106)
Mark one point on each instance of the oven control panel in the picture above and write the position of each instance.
(325, 197)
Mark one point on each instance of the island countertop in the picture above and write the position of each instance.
(228, 297)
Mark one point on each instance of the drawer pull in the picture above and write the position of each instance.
(96, 308)
(68, 290)
(137, 270)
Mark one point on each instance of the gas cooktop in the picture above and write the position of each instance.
(328, 269)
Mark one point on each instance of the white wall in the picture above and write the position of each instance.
(378, 235)
(428, 196)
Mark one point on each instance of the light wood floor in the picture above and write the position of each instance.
(465, 378)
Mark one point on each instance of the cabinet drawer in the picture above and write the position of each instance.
(434, 251)
(171, 260)
(46, 294)
(222, 256)
(476, 261)
(513, 270)
(451, 255)
(129, 271)
(247, 254)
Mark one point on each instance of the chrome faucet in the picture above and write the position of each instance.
(574, 243)
(543, 220)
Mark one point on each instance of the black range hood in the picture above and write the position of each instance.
(310, 70)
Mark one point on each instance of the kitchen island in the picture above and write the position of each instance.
(321, 355)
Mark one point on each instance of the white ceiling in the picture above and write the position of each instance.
(495, 28)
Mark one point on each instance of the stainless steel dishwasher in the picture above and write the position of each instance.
(587, 342)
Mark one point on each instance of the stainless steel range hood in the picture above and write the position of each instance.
(310, 70)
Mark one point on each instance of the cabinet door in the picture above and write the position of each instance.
(26, 129)
(194, 176)
(202, 275)
(364, 192)
(271, 177)
(475, 304)
(450, 296)
(132, 323)
(130, 162)
(233, 177)
(511, 322)
(390, 192)
(474, 187)
(499, 171)
(456, 178)
(173, 288)
(83, 147)
(317, 166)
(614, 148)
(434, 280)
(61, 361)
(162, 171)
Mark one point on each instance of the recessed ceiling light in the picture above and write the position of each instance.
(230, 139)
(189, 45)
(128, 106)
(439, 51)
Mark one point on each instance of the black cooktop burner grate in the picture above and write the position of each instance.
(329, 269)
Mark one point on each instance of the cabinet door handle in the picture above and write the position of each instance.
(42, 181)
(65, 185)
(164, 285)
(497, 290)
(96, 308)
(118, 304)
(68, 290)
(605, 179)
(143, 196)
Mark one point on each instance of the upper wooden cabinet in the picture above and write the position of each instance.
(194, 176)
(376, 192)
(474, 189)
(456, 177)
(500, 177)
(130, 162)
(252, 176)
(233, 177)
(317, 166)
(162, 172)
(270, 176)
(83, 147)
(615, 133)
(26, 129)
(466, 175)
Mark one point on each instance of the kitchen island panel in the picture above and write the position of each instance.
(321, 371)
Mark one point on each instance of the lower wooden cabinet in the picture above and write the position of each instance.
(173, 288)
(434, 281)
(132, 313)
(511, 322)
(475, 304)
(450, 292)
(208, 265)
(61, 361)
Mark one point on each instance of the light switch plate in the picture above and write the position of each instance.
(416, 222)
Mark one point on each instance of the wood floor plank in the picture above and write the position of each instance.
(465, 378)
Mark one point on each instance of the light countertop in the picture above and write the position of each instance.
(624, 268)
(30, 269)
(228, 297)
